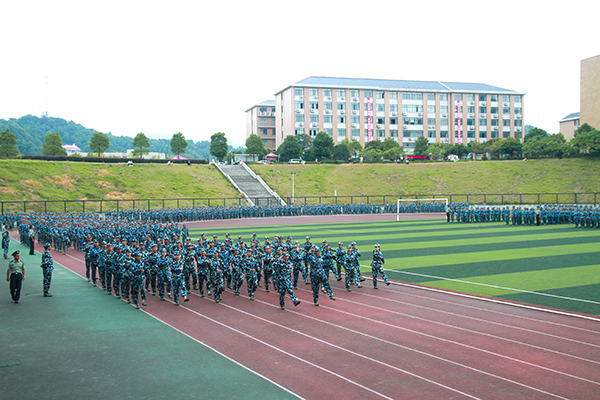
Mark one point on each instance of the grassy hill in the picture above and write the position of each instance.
(47, 180)
(532, 176)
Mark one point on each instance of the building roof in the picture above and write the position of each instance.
(388, 84)
(270, 103)
(570, 117)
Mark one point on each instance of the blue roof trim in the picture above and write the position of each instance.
(570, 117)
(433, 86)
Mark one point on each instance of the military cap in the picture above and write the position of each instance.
(16, 252)
(289, 237)
(239, 237)
(340, 243)
(377, 245)
(49, 245)
(308, 237)
(353, 243)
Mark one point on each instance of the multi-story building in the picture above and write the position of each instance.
(261, 121)
(569, 125)
(371, 109)
(589, 96)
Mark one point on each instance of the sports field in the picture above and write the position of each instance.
(555, 266)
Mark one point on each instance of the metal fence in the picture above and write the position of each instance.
(99, 206)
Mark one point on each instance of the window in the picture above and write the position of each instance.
(482, 110)
(273, 109)
(431, 134)
(393, 121)
(393, 95)
(368, 93)
(313, 92)
(411, 108)
(314, 118)
(355, 119)
(471, 121)
(517, 110)
(313, 132)
(394, 133)
(505, 110)
(327, 92)
(299, 131)
(470, 97)
(341, 132)
(494, 110)
(494, 134)
(380, 107)
(471, 134)
(443, 121)
(458, 96)
(506, 98)
(341, 119)
(471, 110)
(341, 106)
(354, 93)
(494, 122)
(412, 96)
(355, 106)
(443, 134)
(328, 131)
(263, 121)
(482, 134)
(272, 121)
(355, 135)
(482, 122)
(517, 99)
(431, 96)
(263, 109)
(393, 107)
(517, 122)
(341, 93)
(431, 121)
(494, 97)
(272, 132)
(328, 106)
(431, 109)
(505, 134)
(380, 121)
(299, 91)
(444, 109)
(327, 119)
(299, 118)
(264, 132)
(506, 122)
(412, 121)
(381, 133)
(380, 95)
(482, 97)
(443, 97)
(299, 105)
(314, 106)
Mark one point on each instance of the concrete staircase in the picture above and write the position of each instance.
(257, 192)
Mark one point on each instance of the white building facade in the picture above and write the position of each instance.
(371, 109)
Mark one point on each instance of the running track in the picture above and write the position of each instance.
(397, 342)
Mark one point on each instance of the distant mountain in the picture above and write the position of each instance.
(30, 132)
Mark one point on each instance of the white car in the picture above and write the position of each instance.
(297, 161)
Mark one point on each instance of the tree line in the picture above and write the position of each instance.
(537, 143)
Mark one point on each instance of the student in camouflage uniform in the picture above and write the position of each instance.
(340, 254)
(268, 261)
(237, 277)
(249, 268)
(350, 260)
(126, 265)
(203, 272)
(137, 280)
(47, 268)
(282, 274)
(297, 259)
(216, 276)
(163, 274)
(377, 266)
(177, 283)
(5, 240)
(189, 267)
(318, 277)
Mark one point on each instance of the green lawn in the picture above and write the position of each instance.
(556, 266)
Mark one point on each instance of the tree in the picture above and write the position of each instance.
(304, 140)
(290, 148)
(322, 146)
(179, 144)
(141, 144)
(340, 152)
(587, 140)
(534, 132)
(255, 145)
(458, 149)
(421, 145)
(391, 149)
(53, 145)
(99, 143)
(8, 144)
(437, 150)
(510, 146)
(218, 145)
(354, 147)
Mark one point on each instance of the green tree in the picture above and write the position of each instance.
(141, 144)
(179, 144)
(458, 149)
(354, 147)
(421, 145)
(391, 149)
(218, 145)
(534, 132)
(304, 140)
(322, 146)
(587, 140)
(510, 146)
(437, 150)
(340, 152)
(53, 145)
(290, 148)
(8, 144)
(99, 143)
(255, 145)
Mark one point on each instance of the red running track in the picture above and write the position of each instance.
(397, 342)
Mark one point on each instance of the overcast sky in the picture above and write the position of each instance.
(162, 67)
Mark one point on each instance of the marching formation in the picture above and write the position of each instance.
(173, 268)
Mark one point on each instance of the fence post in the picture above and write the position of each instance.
(367, 199)
(100, 206)
(148, 204)
(45, 205)
(485, 199)
(134, 204)
(467, 197)
(177, 203)
(117, 205)
(193, 203)
(538, 197)
(351, 202)
(556, 198)
(3, 205)
(24, 206)
(83, 205)
(209, 201)
(502, 199)
(520, 198)
(163, 204)
(575, 197)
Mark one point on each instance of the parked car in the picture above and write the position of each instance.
(297, 161)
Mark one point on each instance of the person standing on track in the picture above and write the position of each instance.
(249, 267)
(15, 275)
(5, 240)
(340, 254)
(47, 268)
(282, 269)
(31, 240)
(137, 280)
(318, 277)
(216, 276)
(297, 259)
(177, 283)
(351, 276)
(377, 266)
(356, 262)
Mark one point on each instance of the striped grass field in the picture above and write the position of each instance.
(555, 266)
